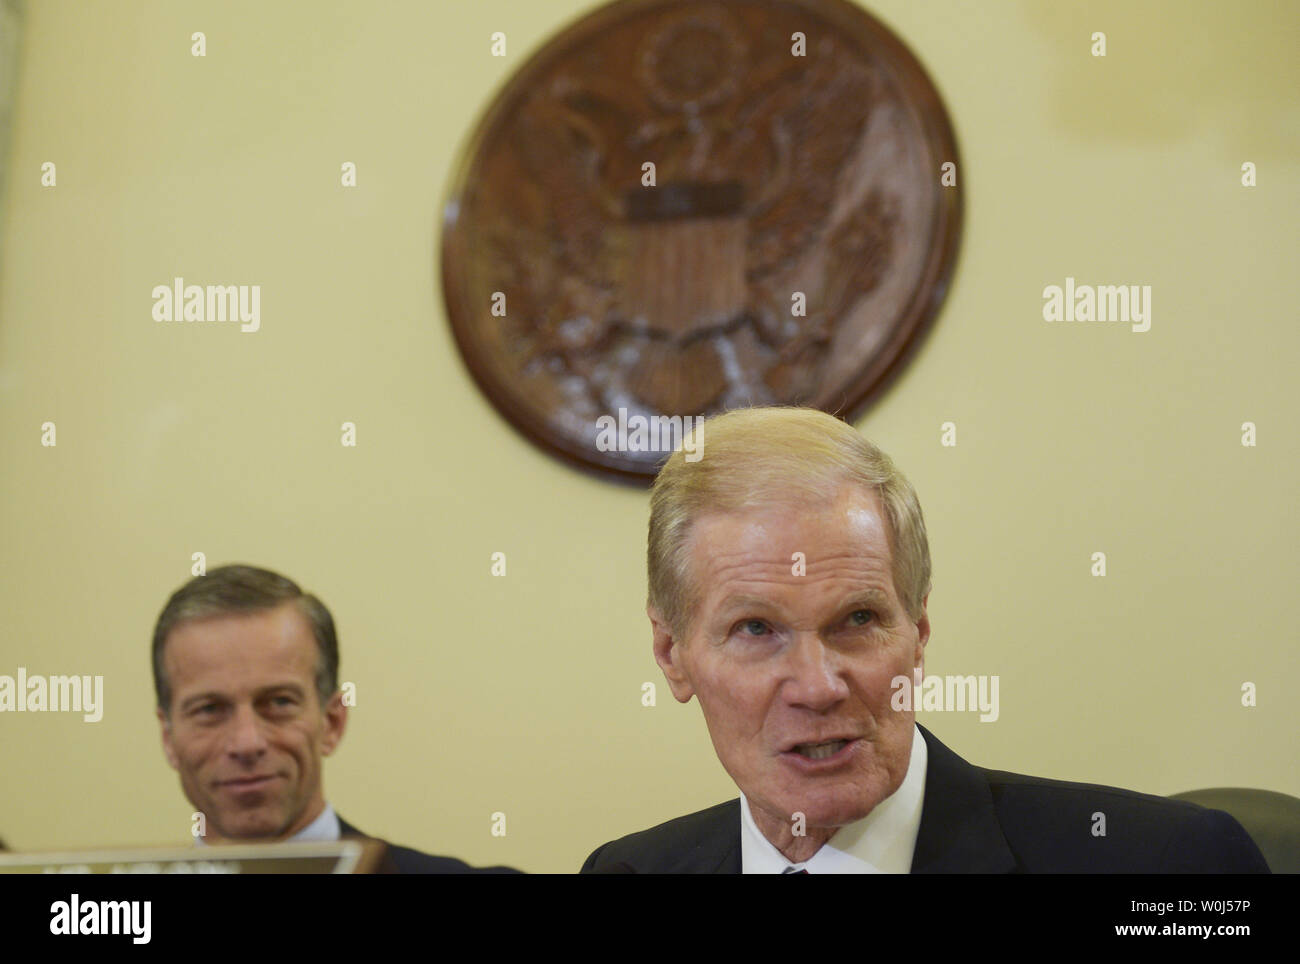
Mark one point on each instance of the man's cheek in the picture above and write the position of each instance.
(878, 680)
(730, 697)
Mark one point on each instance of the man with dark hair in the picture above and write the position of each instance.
(246, 675)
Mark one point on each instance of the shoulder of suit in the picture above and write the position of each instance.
(1113, 830)
(409, 861)
(1019, 786)
(674, 846)
(406, 860)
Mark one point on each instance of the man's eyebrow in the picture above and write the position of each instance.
(288, 686)
(864, 596)
(746, 602)
(874, 597)
(197, 698)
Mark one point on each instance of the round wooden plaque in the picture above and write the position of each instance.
(676, 208)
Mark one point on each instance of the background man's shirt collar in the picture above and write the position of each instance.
(324, 827)
(882, 842)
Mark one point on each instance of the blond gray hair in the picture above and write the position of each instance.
(765, 456)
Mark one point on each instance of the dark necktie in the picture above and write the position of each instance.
(791, 870)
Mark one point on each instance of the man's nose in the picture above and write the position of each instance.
(814, 674)
(245, 737)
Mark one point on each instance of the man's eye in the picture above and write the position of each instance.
(754, 627)
(860, 617)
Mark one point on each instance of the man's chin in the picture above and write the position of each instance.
(831, 815)
(831, 807)
(253, 829)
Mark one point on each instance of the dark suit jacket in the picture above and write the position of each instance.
(985, 821)
(404, 860)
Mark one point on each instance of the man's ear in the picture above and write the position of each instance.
(922, 637)
(668, 650)
(168, 747)
(336, 721)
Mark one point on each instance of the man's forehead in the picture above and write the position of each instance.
(825, 583)
(836, 543)
(278, 640)
(848, 524)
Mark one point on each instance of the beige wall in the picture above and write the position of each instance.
(522, 694)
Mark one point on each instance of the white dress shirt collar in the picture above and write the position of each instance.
(324, 827)
(882, 842)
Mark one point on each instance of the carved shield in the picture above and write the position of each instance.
(675, 208)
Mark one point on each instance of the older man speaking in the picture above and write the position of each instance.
(789, 576)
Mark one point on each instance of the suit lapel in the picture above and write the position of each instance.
(960, 832)
(726, 858)
(715, 847)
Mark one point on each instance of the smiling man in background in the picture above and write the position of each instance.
(246, 676)
(789, 575)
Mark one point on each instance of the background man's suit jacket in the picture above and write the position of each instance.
(985, 821)
(404, 860)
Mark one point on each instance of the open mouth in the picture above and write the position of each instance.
(820, 751)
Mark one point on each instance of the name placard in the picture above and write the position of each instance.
(352, 856)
